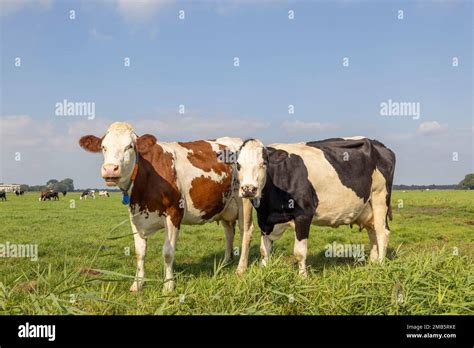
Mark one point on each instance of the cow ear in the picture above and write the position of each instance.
(145, 143)
(91, 143)
(277, 156)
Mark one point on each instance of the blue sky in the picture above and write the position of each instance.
(282, 62)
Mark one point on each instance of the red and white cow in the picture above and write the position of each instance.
(171, 184)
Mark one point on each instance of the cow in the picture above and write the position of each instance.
(332, 182)
(64, 193)
(88, 193)
(169, 184)
(3, 195)
(48, 195)
(19, 192)
(104, 193)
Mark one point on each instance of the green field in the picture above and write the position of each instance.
(429, 269)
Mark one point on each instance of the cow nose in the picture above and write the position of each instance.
(249, 189)
(110, 170)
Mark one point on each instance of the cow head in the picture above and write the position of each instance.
(120, 147)
(252, 167)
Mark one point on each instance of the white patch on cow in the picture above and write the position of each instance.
(146, 222)
(278, 230)
(252, 172)
(186, 172)
(118, 150)
(357, 137)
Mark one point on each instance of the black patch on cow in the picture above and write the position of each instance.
(288, 194)
(363, 156)
(385, 161)
(353, 161)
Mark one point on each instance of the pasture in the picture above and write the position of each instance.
(86, 264)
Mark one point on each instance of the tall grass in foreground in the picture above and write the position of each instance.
(436, 282)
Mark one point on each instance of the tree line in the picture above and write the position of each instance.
(52, 184)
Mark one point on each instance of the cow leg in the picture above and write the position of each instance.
(266, 242)
(229, 229)
(246, 230)
(265, 249)
(169, 248)
(380, 209)
(300, 249)
(140, 252)
(373, 244)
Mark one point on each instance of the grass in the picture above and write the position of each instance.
(86, 264)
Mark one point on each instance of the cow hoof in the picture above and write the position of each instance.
(168, 286)
(227, 261)
(136, 287)
(303, 274)
(240, 271)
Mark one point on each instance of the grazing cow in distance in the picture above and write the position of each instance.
(104, 193)
(3, 195)
(19, 193)
(48, 195)
(341, 181)
(88, 193)
(64, 193)
(169, 184)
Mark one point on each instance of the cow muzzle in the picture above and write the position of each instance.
(111, 174)
(248, 191)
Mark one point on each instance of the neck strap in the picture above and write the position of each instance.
(125, 197)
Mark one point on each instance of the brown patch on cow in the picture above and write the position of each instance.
(91, 143)
(202, 156)
(210, 196)
(155, 187)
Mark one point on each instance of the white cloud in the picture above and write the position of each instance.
(9, 7)
(140, 10)
(433, 127)
(300, 126)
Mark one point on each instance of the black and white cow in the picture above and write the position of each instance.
(341, 181)
(87, 193)
(3, 196)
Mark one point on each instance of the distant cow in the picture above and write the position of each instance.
(170, 184)
(48, 195)
(64, 193)
(88, 193)
(104, 193)
(331, 182)
(19, 193)
(3, 196)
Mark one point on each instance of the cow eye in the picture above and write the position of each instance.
(128, 147)
(238, 166)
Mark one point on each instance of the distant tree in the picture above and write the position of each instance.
(68, 183)
(468, 182)
(51, 183)
(24, 187)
